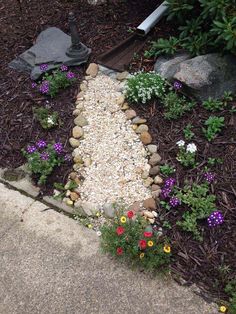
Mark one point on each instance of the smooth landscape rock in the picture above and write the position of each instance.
(141, 128)
(136, 207)
(148, 182)
(138, 120)
(120, 100)
(154, 171)
(156, 194)
(109, 210)
(152, 148)
(155, 187)
(154, 159)
(150, 203)
(92, 70)
(146, 138)
(74, 142)
(158, 180)
(77, 131)
(80, 121)
(122, 76)
(130, 114)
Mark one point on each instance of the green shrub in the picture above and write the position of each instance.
(132, 239)
(213, 104)
(143, 86)
(167, 170)
(175, 106)
(163, 46)
(188, 133)
(46, 118)
(214, 29)
(214, 125)
(230, 289)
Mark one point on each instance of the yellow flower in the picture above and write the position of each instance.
(90, 226)
(141, 255)
(98, 214)
(223, 309)
(123, 219)
(167, 248)
(150, 243)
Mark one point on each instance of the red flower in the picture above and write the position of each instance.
(148, 234)
(130, 214)
(119, 251)
(120, 230)
(142, 244)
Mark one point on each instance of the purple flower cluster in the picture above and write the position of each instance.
(64, 68)
(44, 87)
(216, 218)
(174, 201)
(44, 155)
(177, 85)
(41, 144)
(43, 67)
(58, 147)
(33, 85)
(169, 183)
(31, 149)
(70, 75)
(209, 177)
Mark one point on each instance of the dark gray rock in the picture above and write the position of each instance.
(168, 66)
(50, 47)
(208, 76)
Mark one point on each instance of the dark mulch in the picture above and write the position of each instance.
(21, 21)
(201, 262)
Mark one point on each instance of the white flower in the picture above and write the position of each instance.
(180, 143)
(99, 233)
(50, 120)
(191, 148)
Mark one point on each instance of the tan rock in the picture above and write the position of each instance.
(156, 194)
(120, 100)
(151, 220)
(154, 171)
(80, 96)
(155, 159)
(74, 142)
(122, 76)
(155, 187)
(136, 207)
(76, 112)
(145, 174)
(77, 132)
(73, 175)
(78, 159)
(148, 182)
(92, 70)
(130, 114)
(74, 196)
(80, 121)
(83, 87)
(146, 138)
(141, 128)
(148, 214)
(158, 180)
(125, 106)
(134, 127)
(150, 203)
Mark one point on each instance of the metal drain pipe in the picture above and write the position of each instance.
(152, 19)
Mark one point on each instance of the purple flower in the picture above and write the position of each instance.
(174, 201)
(31, 149)
(177, 85)
(58, 147)
(43, 67)
(44, 87)
(165, 192)
(169, 182)
(67, 157)
(44, 156)
(33, 85)
(216, 218)
(209, 177)
(41, 144)
(70, 75)
(63, 68)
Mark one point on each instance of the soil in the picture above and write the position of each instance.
(210, 264)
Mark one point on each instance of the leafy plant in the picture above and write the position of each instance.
(226, 32)
(167, 170)
(143, 86)
(46, 118)
(214, 125)
(175, 106)
(131, 238)
(42, 158)
(188, 134)
(186, 155)
(200, 203)
(163, 46)
(230, 289)
(213, 104)
(214, 161)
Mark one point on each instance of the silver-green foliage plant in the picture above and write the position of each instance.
(143, 86)
(213, 126)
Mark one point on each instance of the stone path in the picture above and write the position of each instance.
(52, 265)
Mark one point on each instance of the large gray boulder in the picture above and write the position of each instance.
(204, 76)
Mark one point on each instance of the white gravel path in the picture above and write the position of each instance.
(118, 156)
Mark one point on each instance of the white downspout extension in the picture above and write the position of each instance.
(152, 19)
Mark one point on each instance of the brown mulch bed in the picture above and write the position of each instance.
(101, 28)
(211, 263)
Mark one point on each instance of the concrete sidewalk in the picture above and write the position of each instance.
(52, 265)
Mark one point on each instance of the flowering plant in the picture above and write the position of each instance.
(131, 237)
(60, 78)
(43, 158)
(186, 155)
(46, 118)
(143, 86)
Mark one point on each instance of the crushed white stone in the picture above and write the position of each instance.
(118, 156)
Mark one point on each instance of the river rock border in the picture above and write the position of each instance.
(151, 176)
